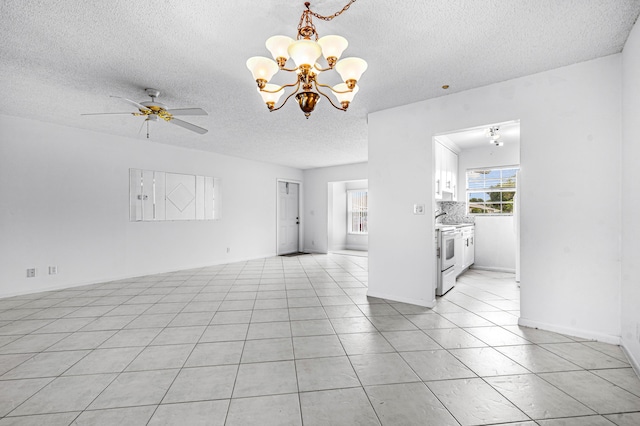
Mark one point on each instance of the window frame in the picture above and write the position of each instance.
(485, 189)
(350, 212)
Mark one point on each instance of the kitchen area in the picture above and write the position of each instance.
(476, 205)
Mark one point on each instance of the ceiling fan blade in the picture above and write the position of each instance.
(134, 103)
(108, 113)
(188, 126)
(187, 111)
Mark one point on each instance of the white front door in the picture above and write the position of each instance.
(288, 217)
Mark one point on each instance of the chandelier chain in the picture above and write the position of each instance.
(306, 29)
(335, 15)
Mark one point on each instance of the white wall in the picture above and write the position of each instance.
(570, 140)
(64, 201)
(495, 236)
(316, 182)
(630, 199)
(337, 216)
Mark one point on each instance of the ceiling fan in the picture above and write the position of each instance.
(152, 110)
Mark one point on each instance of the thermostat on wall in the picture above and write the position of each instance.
(418, 209)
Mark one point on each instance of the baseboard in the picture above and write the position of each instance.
(364, 247)
(314, 251)
(411, 301)
(569, 331)
(492, 269)
(634, 362)
(62, 286)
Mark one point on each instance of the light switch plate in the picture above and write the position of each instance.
(418, 209)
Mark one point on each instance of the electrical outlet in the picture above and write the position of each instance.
(228, 249)
(53, 270)
(313, 243)
(31, 272)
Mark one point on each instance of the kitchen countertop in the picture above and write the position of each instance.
(453, 225)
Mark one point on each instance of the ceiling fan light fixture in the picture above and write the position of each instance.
(304, 51)
(154, 110)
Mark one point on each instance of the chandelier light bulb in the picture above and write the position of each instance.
(262, 68)
(348, 95)
(279, 46)
(333, 46)
(304, 52)
(271, 95)
(351, 69)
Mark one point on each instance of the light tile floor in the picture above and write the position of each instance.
(295, 340)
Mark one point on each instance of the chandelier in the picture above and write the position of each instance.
(304, 51)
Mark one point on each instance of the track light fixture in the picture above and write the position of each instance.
(492, 134)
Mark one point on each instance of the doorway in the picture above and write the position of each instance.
(347, 214)
(288, 235)
(485, 176)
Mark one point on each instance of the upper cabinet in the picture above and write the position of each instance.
(446, 173)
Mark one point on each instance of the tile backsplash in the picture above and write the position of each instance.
(456, 212)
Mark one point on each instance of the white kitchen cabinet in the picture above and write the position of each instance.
(451, 161)
(446, 173)
(468, 247)
(438, 178)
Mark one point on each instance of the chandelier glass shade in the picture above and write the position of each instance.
(304, 52)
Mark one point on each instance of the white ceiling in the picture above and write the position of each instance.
(61, 58)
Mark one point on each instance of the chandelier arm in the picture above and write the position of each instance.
(287, 98)
(322, 69)
(290, 69)
(332, 89)
(281, 87)
(328, 98)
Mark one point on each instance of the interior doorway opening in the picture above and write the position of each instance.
(478, 181)
(347, 217)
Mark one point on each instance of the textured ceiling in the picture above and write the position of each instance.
(61, 58)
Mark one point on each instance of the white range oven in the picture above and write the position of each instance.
(446, 255)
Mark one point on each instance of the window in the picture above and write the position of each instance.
(357, 211)
(491, 191)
